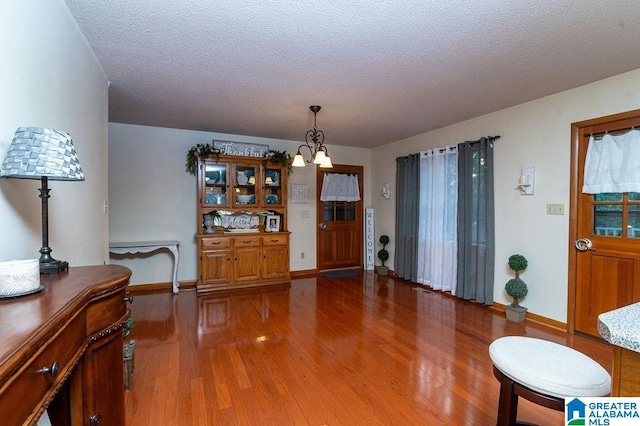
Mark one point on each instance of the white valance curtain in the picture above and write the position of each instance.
(340, 187)
(437, 227)
(613, 164)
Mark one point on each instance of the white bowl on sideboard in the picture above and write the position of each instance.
(19, 277)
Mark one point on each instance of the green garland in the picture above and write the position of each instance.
(279, 157)
(207, 150)
(200, 150)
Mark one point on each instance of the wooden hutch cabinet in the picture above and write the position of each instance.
(240, 250)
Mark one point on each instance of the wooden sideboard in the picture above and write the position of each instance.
(62, 349)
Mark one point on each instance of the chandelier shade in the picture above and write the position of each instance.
(314, 142)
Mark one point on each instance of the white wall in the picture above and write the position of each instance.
(152, 197)
(49, 77)
(535, 134)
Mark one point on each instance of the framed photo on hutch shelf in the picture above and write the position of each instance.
(272, 224)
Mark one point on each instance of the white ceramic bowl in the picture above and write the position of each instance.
(19, 277)
(245, 199)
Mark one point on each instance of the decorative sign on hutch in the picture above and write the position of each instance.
(241, 149)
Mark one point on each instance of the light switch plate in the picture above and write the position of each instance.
(555, 209)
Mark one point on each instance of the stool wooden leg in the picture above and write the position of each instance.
(508, 404)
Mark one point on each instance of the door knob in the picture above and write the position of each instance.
(584, 244)
(323, 226)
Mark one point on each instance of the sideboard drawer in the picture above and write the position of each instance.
(275, 240)
(106, 311)
(28, 387)
(246, 241)
(216, 243)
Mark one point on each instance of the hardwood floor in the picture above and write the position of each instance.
(362, 350)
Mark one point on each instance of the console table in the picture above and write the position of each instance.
(133, 247)
(62, 349)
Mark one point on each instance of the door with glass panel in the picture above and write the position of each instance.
(605, 234)
(339, 230)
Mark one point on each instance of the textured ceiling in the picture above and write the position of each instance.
(381, 70)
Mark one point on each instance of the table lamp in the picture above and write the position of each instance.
(38, 153)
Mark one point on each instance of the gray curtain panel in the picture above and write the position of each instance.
(407, 209)
(476, 240)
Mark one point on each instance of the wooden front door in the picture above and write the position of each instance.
(605, 236)
(339, 231)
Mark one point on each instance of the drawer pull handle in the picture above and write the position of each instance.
(274, 241)
(52, 371)
(216, 243)
(128, 298)
(95, 419)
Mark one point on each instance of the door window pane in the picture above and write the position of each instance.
(634, 196)
(633, 221)
(608, 220)
(328, 212)
(608, 197)
(351, 211)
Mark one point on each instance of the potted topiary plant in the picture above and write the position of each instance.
(517, 289)
(383, 255)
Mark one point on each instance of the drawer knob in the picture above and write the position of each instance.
(52, 371)
(128, 298)
(95, 419)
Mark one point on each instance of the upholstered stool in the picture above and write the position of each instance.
(544, 373)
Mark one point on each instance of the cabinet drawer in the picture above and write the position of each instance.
(274, 240)
(28, 387)
(216, 243)
(106, 311)
(246, 241)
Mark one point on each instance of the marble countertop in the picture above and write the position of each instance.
(621, 327)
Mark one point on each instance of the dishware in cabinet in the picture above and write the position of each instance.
(273, 193)
(245, 189)
(215, 184)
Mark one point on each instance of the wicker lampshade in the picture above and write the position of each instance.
(36, 152)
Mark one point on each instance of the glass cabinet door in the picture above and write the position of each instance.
(244, 192)
(272, 187)
(215, 184)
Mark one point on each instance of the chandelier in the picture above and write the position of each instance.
(314, 140)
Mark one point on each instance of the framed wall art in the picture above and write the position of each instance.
(299, 193)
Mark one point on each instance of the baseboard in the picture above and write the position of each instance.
(304, 273)
(154, 288)
(499, 307)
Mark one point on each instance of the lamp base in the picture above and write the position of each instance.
(53, 267)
